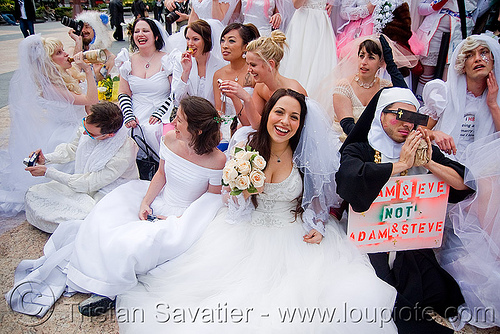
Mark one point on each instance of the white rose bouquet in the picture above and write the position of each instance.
(244, 171)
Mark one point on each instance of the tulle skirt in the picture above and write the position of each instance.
(471, 248)
(312, 53)
(246, 278)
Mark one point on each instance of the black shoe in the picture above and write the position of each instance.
(95, 305)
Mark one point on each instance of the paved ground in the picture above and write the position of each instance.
(19, 240)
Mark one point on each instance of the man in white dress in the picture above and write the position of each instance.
(465, 108)
(104, 158)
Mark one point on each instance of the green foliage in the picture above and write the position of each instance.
(63, 11)
(7, 6)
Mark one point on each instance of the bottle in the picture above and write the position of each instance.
(93, 57)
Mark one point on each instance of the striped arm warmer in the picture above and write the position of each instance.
(126, 107)
(163, 108)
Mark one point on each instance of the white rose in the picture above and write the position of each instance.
(259, 162)
(229, 174)
(231, 163)
(257, 178)
(239, 155)
(232, 184)
(242, 182)
(244, 167)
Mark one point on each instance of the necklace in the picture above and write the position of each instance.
(279, 156)
(362, 84)
(146, 66)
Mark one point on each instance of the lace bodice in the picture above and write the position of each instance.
(185, 181)
(277, 203)
(344, 88)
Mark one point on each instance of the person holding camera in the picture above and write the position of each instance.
(178, 12)
(116, 242)
(104, 158)
(116, 13)
(90, 32)
(46, 105)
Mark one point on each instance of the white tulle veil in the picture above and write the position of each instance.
(317, 157)
(348, 65)
(42, 115)
(471, 250)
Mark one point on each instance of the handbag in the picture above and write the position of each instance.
(149, 164)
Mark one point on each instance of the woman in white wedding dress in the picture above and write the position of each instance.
(104, 253)
(46, 105)
(194, 68)
(250, 277)
(313, 53)
(217, 13)
(234, 41)
(145, 77)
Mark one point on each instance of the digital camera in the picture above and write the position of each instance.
(31, 161)
(182, 7)
(77, 26)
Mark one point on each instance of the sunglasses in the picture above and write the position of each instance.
(409, 116)
(87, 131)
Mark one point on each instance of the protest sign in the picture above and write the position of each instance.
(408, 213)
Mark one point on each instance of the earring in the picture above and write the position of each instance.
(244, 55)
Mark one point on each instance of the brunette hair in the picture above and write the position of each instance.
(371, 47)
(269, 48)
(261, 140)
(107, 116)
(202, 123)
(159, 42)
(203, 29)
(248, 32)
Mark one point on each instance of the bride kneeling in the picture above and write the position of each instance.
(279, 272)
(103, 253)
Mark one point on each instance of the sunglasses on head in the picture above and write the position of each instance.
(409, 116)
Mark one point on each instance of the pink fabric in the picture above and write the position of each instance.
(167, 127)
(353, 30)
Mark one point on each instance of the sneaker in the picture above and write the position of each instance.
(95, 305)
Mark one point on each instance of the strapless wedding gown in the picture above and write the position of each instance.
(260, 277)
(104, 253)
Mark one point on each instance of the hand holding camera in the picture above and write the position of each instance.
(77, 26)
(35, 163)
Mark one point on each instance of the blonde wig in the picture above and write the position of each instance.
(72, 77)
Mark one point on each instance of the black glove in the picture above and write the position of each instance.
(347, 124)
(396, 76)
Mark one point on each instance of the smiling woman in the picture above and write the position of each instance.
(194, 68)
(145, 78)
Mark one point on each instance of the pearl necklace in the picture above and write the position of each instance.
(362, 84)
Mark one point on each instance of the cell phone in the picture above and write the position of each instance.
(31, 161)
(152, 218)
